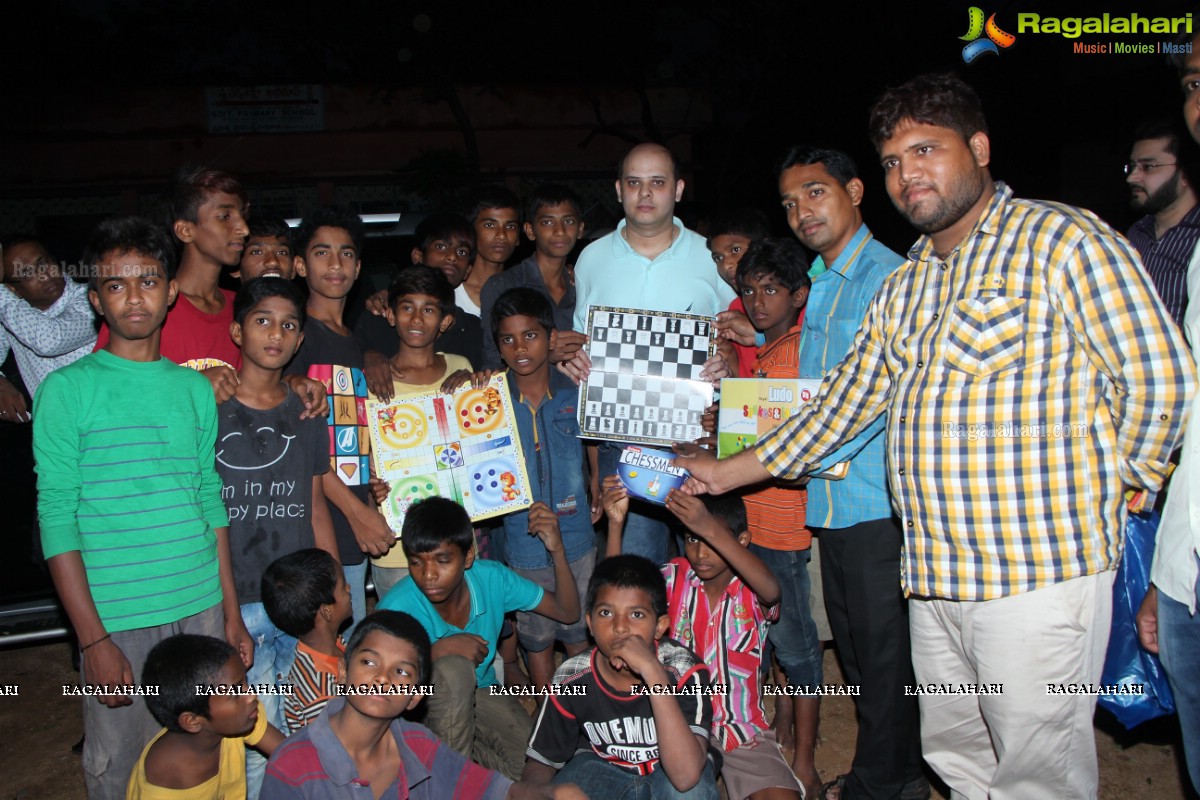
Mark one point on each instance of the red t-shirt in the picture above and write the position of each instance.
(194, 339)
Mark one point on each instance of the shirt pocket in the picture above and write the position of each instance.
(986, 335)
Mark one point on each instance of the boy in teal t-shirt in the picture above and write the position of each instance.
(461, 602)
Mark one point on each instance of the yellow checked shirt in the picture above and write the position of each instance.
(1027, 379)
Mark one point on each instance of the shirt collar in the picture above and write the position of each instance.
(990, 222)
(621, 247)
(337, 762)
(732, 589)
(848, 259)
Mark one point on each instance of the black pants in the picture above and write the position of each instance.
(860, 570)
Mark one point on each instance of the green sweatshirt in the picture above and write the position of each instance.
(126, 476)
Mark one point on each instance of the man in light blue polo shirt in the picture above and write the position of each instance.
(649, 262)
(859, 537)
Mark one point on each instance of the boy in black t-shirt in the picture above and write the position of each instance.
(270, 462)
(328, 248)
(632, 710)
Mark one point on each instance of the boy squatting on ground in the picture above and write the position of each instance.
(306, 595)
(544, 403)
(720, 598)
(461, 601)
(133, 527)
(359, 746)
(641, 717)
(209, 717)
(420, 309)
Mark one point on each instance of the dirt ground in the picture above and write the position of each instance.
(39, 726)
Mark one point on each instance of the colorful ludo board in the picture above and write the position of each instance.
(753, 407)
(645, 382)
(463, 446)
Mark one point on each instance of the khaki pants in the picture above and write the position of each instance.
(1025, 742)
(489, 730)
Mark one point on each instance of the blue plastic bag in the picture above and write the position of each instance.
(1126, 663)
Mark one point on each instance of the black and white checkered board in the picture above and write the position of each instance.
(644, 385)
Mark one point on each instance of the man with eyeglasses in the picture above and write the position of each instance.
(1160, 186)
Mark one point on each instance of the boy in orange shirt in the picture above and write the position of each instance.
(773, 285)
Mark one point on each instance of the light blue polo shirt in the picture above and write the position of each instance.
(682, 280)
(495, 591)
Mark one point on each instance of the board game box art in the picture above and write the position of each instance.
(463, 446)
(645, 381)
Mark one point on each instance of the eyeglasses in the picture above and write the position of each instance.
(1134, 166)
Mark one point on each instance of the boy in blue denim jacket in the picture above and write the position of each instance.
(544, 404)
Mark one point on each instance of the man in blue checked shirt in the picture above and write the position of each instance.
(1029, 373)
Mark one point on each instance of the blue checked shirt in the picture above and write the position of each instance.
(837, 303)
(1027, 378)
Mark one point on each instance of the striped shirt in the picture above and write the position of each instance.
(314, 679)
(1166, 259)
(729, 637)
(127, 476)
(1027, 377)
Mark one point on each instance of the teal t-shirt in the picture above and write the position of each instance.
(495, 591)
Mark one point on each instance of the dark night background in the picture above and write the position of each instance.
(771, 72)
(114, 88)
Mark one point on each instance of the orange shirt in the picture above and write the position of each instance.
(776, 514)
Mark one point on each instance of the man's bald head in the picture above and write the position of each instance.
(649, 148)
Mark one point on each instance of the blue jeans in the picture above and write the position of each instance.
(274, 652)
(356, 579)
(646, 530)
(794, 636)
(1179, 649)
(600, 780)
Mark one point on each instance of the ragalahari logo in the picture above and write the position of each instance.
(976, 27)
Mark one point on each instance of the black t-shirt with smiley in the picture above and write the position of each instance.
(267, 460)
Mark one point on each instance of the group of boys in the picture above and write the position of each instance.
(171, 525)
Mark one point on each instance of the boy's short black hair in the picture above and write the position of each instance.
(729, 508)
(435, 520)
(629, 572)
(402, 626)
(177, 665)
(522, 302)
(748, 222)
(122, 235)
(781, 256)
(190, 187)
(839, 165)
(420, 279)
(491, 196)
(550, 194)
(444, 226)
(295, 586)
(259, 289)
(262, 225)
(941, 99)
(328, 217)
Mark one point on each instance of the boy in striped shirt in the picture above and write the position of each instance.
(133, 527)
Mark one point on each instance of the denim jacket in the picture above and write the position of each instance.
(556, 473)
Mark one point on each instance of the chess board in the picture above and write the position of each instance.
(463, 446)
(645, 381)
